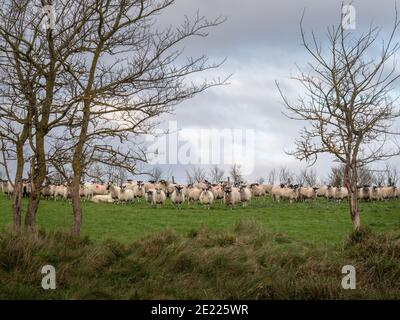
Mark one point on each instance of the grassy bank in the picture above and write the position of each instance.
(244, 262)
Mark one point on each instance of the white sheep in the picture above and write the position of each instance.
(277, 192)
(341, 193)
(218, 191)
(178, 196)
(149, 196)
(308, 193)
(139, 190)
(257, 190)
(245, 195)
(193, 194)
(122, 194)
(290, 193)
(267, 188)
(388, 192)
(7, 188)
(61, 191)
(364, 193)
(102, 198)
(159, 197)
(206, 197)
(231, 196)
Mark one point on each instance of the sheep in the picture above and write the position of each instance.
(99, 189)
(206, 197)
(388, 192)
(375, 193)
(330, 192)
(7, 188)
(129, 185)
(149, 186)
(159, 197)
(126, 195)
(162, 185)
(231, 196)
(218, 191)
(26, 188)
(61, 191)
(170, 189)
(201, 185)
(321, 191)
(276, 192)
(341, 193)
(257, 190)
(245, 195)
(178, 196)
(102, 198)
(308, 193)
(290, 193)
(121, 193)
(88, 190)
(364, 193)
(139, 190)
(193, 194)
(149, 195)
(46, 191)
(267, 188)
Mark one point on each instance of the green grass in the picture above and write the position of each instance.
(265, 251)
(316, 223)
(244, 262)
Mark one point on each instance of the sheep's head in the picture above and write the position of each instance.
(158, 190)
(178, 188)
(228, 190)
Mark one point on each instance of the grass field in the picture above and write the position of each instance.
(266, 251)
(318, 222)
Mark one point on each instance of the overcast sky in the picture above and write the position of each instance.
(261, 42)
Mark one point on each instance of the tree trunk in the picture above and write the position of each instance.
(17, 200)
(350, 178)
(17, 195)
(39, 175)
(354, 212)
(76, 206)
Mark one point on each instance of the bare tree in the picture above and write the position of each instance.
(286, 176)
(196, 174)
(95, 80)
(307, 177)
(349, 102)
(156, 174)
(216, 174)
(335, 176)
(365, 176)
(272, 176)
(392, 175)
(120, 99)
(236, 173)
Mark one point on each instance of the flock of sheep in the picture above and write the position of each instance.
(156, 193)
